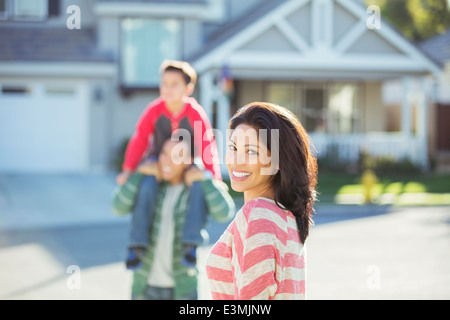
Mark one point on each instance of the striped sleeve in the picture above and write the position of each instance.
(219, 269)
(257, 252)
(124, 196)
(220, 204)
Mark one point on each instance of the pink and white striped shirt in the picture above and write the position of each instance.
(259, 256)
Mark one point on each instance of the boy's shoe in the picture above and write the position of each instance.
(189, 258)
(134, 259)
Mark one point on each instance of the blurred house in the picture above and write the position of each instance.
(438, 48)
(70, 97)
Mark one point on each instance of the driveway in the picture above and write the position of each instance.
(55, 228)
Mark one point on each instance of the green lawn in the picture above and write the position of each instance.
(420, 189)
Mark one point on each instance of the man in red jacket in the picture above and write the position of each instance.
(174, 111)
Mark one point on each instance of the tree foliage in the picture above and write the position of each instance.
(416, 19)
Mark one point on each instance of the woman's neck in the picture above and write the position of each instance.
(253, 194)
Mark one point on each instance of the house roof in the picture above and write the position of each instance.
(158, 1)
(27, 43)
(233, 27)
(312, 38)
(437, 47)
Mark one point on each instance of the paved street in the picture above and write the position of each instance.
(59, 240)
(401, 254)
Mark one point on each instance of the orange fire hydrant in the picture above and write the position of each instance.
(368, 180)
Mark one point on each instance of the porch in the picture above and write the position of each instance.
(343, 118)
(348, 147)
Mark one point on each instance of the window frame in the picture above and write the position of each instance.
(43, 17)
(357, 112)
(300, 88)
(16, 90)
(7, 13)
(126, 87)
(324, 87)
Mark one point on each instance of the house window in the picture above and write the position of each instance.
(313, 109)
(343, 108)
(320, 107)
(30, 9)
(283, 93)
(145, 44)
(54, 8)
(56, 91)
(16, 90)
(4, 9)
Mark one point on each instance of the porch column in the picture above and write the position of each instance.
(406, 107)
(223, 116)
(406, 120)
(422, 122)
(207, 92)
(210, 93)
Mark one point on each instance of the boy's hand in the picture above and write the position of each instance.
(192, 174)
(122, 177)
(150, 168)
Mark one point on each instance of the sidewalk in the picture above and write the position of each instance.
(354, 252)
(39, 200)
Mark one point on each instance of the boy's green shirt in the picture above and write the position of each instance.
(220, 206)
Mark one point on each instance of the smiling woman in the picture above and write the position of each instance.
(261, 255)
(246, 159)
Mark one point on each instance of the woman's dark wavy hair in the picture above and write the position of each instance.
(295, 182)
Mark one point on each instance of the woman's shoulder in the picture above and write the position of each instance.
(263, 208)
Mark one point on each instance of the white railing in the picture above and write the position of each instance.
(347, 147)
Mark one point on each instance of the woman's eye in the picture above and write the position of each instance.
(252, 152)
(231, 147)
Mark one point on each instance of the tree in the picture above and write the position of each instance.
(416, 19)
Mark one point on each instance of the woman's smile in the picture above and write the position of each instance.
(240, 175)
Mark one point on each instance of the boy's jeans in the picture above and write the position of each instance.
(144, 212)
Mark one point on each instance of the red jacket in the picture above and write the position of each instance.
(156, 125)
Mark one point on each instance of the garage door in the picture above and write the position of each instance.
(43, 128)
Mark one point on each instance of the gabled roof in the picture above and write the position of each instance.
(233, 27)
(437, 47)
(157, 1)
(56, 44)
(313, 36)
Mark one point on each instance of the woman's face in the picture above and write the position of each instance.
(247, 160)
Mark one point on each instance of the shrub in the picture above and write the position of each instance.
(387, 165)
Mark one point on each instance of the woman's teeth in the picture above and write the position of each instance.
(241, 174)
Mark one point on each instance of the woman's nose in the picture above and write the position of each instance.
(237, 158)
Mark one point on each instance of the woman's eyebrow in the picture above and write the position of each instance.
(247, 145)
